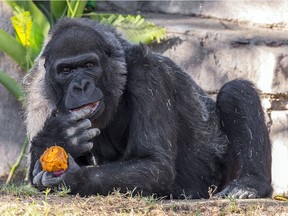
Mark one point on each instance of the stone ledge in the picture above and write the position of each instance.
(264, 13)
(214, 52)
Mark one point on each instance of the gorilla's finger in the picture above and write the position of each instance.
(85, 136)
(246, 193)
(223, 193)
(88, 134)
(37, 168)
(81, 125)
(85, 147)
(237, 192)
(73, 166)
(37, 180)
(48, 180)
(252, 196)
(80, 114)
(243, 194)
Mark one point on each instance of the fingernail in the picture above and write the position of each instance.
(94, 132)
(97, 131)
(90, 145)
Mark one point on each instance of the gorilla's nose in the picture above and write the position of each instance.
(82, 92)
(81, 86)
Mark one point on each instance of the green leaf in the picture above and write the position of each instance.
(22, 23)
(118, 20)
(36, 40)
(28, 34)
(37, 16)
(17, 163)
(11, 85)
(91, 3)
(75, 8)
(134, 28)
(10, 46)
(28, 30)
(58, 8)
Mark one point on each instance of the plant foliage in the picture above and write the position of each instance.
(13, 48)
(11, 85)
(134, 28)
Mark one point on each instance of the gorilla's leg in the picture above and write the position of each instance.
(249, 156)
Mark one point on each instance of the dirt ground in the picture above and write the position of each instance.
(119, 204)
(22, 199)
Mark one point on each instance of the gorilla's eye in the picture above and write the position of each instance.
(66, 70)
(89, 65)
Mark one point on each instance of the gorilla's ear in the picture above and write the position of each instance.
(37, 105)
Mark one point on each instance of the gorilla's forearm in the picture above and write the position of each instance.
(143, 176)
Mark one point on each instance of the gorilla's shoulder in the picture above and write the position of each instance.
(136, 54)
(140, 57)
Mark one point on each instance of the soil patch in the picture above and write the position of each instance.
(119, 204)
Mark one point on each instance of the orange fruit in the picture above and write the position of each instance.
(54, 159)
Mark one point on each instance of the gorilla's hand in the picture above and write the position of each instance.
(78, 133)
(73, 132)
(44, 180)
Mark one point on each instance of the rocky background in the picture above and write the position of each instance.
(214, 41)
(12, 128)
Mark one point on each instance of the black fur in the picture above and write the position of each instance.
(160, 132)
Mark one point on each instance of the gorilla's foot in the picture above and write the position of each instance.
(239, 192)
(246, 188)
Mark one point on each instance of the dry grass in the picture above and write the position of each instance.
(26, 201)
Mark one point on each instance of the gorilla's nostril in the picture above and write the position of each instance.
(83, 86)
(77, 88)
(86, 86)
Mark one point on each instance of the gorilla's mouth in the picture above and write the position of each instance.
(93, 106)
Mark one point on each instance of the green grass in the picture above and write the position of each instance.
(18, 190)
(25, 200)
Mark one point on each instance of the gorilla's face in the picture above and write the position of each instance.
(79, 78)
(78, 69)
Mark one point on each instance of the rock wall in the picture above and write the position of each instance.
(214, 52)
(12, 129)
(263, 13)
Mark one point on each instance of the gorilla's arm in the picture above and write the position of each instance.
(148, 166)
(139, 175)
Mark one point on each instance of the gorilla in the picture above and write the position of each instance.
(131, 119)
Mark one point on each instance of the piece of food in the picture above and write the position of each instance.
(54, 159)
